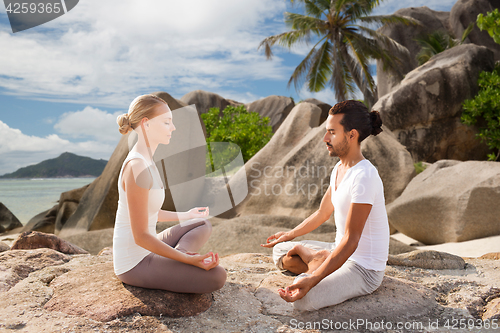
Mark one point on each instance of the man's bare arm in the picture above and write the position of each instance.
(309, 224)
(356, 219)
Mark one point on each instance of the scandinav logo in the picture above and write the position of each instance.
(26, 14)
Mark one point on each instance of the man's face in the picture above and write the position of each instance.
(335, 138)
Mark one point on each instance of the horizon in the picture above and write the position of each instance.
(64, 83)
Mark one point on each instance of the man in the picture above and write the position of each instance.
(354, 264)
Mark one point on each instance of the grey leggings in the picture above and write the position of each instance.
(158, 272)
(350, 280)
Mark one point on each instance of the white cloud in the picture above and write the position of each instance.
(107, 52)
(19, 150)
(90, 123)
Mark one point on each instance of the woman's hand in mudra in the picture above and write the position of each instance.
(206, 261)
(197, 212)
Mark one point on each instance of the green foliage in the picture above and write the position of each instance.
(419, 167)
(437, 42)
(344, 45)
(490, 23)
(246, 129)
(486, 105)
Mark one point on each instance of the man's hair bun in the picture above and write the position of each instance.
(124, 123)
(376, 122)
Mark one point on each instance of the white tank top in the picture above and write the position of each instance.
(126, 253)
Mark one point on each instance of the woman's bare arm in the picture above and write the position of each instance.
(137, 199)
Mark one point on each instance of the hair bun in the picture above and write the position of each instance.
(124, 123)
(376, 122)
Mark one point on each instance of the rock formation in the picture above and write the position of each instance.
(450, 201)
(102, 297)
(428, 21)
(64, 292)
(454, 23)
(424, 110)
(205, 100)
(8, 221)
(275, 107)
(34, 240)
(466, 11)
(427, 259)
(325, 108)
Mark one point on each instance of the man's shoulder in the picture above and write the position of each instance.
(367, 170)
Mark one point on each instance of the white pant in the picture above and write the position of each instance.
(350, 280)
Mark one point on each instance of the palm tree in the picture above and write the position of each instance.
(437, 42)
(342, 54)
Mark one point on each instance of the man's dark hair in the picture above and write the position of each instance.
(356, 116)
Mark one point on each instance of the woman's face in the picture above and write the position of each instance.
(161, 127)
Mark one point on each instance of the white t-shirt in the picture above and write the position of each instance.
(362, 184)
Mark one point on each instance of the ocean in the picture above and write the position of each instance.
(26, 198)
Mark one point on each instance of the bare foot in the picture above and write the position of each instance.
(317, 259)
(313, 259)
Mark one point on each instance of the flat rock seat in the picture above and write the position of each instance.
(95, 292)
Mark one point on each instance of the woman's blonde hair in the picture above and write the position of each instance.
(142, 106)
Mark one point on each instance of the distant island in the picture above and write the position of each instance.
(65, 166)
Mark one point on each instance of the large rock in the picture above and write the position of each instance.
(464, 12)
(325, 108)
(427, 259)
(275, 107)
(68, 203)
(29, 240)
(4, 247)
(97, 207)
(93, 241)
(429, 21)
(290, 175)
(450, 201)
(16, 265)
(102, 297)
(249, 300)
(424, 110)
(43, 222)
(205, 100)
(8, 221)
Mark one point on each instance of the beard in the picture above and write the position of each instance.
(340, 150)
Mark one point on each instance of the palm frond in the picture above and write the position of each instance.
(317, 8)
(320, 69)
(434, 43)
(285, 39)
(339, 6)
(390, 52)
(299, 74)
(467, 32)
(361, 62)
(359, 8)
(303, 22)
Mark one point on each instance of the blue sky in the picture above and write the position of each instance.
(63, 83)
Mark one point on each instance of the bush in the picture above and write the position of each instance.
(246, 129)
(486, 105)
(419, 167)
(490, 23)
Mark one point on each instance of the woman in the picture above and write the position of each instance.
(141, 257)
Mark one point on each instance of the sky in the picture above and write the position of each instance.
(62, 84)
